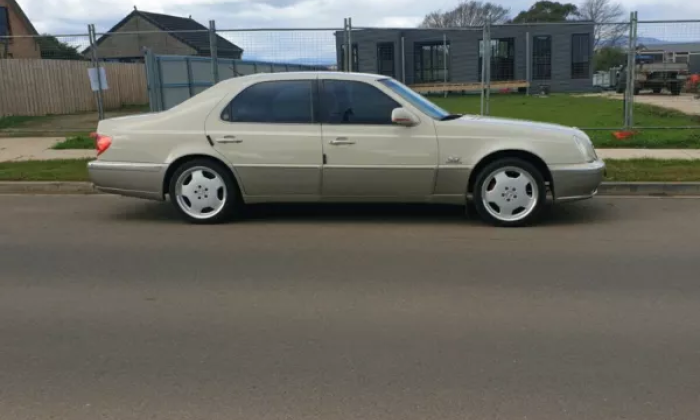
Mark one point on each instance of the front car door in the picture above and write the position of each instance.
(269, 134)
(367, 156)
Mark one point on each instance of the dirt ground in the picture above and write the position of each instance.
(686, 103)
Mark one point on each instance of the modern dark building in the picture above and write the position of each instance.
(561, 55)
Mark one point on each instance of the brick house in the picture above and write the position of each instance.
(163, 34)
(14, 27)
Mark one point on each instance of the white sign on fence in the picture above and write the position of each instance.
(94, 83)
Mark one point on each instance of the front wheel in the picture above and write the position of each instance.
(203, 191)
(509, 192)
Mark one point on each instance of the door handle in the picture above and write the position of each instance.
(228, 139)
(342, 140)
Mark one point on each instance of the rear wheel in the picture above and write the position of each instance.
(675, 89)
(509, 192)
(203, 191)
(656, 90)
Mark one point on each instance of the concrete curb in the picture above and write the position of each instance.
(650, 188)
(57, 187)
(607, 188)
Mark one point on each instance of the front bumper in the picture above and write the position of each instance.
(577, 181)
(142, 180)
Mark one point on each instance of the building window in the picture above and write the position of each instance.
(542, 57)
(385, 59)
(580, 56)
(502, 58)
(355, 58)
(4, 22)
(430, 61)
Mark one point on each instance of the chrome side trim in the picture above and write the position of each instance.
(411, 167)
(126, 166)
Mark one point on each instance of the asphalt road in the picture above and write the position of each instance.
(111, 308)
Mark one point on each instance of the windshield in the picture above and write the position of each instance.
(415, 99)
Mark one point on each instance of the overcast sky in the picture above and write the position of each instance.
(72, 16)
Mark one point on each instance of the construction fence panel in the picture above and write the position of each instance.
(175, 78)
(667, 75)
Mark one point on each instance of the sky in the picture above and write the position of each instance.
(72, 17)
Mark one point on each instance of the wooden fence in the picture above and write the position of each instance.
(35, 87)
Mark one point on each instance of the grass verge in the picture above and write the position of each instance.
(75, 142)
(47, 170)
(633, 170)
(586, 111)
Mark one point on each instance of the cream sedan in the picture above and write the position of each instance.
(338, 137)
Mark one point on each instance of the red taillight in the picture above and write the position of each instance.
(102, 143)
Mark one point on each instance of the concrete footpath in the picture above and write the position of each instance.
(40, 148)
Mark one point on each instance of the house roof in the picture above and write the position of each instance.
(677, 48)
(175, 25)
(22, 16)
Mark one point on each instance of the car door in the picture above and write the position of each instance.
(269, 133)
(366, 154)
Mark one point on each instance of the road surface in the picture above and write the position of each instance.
(111, 308)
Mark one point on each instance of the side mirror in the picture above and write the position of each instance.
(402, 116)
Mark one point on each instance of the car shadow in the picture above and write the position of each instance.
(590, 211)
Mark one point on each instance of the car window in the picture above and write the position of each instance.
(284, 101)
(352, 102)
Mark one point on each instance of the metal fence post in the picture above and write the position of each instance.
(528, 62)
(350, 54)
(633, 31)
(403, 59)
(96, 66)
(344, 49)
(486, 70)
(444, 60)
(214, 52)
(630, 77)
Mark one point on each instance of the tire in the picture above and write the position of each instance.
(197, 204)
(493, 202)
(656, 90)
(620, 90)
(636, 91)
(675, 90)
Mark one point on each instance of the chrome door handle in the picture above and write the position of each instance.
(228, 139)
(342, 140)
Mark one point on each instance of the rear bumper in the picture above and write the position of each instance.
(577, 181)
(142, 180)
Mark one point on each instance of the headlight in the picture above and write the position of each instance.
(586, 147)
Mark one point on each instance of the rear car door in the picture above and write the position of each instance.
(269, 133)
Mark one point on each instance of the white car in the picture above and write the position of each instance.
(338, 137)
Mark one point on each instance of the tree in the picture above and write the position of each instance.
(466, 13)
(547, 11)
(606, 14)
(607, 57)
(52, 48)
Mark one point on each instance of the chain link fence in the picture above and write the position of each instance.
(602, 77)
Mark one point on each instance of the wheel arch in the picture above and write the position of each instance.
(172, 167)
(525, 155)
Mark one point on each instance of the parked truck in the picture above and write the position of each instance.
(654, 76)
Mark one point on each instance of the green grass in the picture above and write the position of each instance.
(659, 170)
(49, 170)
(15, 121)
(75, 142)
(588, 112)
(618, 170)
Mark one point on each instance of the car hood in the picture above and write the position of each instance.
(507, 125)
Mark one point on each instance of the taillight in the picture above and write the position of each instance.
(102, 143)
